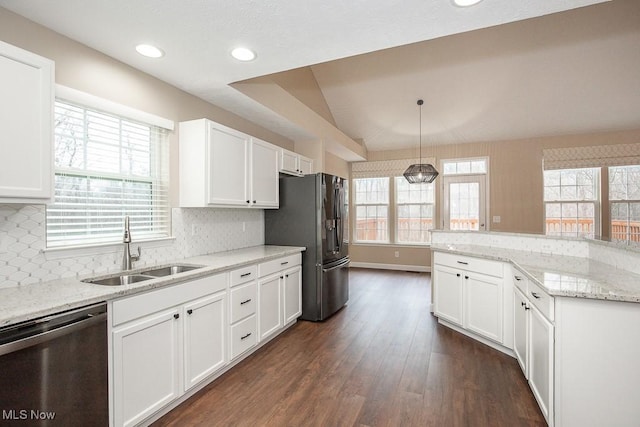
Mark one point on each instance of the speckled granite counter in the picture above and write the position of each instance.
(561, 275)
(32, 301)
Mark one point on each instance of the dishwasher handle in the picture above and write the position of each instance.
(39, 330)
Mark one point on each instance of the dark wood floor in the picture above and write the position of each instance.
(383, 360)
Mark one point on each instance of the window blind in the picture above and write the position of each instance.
(384, 168)
(591, 157)
(107, 167)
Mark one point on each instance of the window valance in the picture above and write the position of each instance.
(384, 168)
(592, 156)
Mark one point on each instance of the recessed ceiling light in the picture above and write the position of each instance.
(243, 54)
(465, 3)
(149, 51)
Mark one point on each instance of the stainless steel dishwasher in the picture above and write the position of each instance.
(53, 370)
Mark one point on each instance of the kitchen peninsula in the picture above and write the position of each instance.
(567, 309)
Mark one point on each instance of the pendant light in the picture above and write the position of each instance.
(420, 173)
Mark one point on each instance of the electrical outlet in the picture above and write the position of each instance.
(496, 219)
(397, 254)
(244, 226)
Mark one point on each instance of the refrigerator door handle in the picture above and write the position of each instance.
(340, 265)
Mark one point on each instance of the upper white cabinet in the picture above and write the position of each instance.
(26, 120)
(220, 166)
(294, 164)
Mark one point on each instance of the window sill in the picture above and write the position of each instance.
(395, 245)
(101, 248)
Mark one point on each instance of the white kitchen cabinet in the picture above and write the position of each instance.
(146, 355)
(292, 294)
(205, 323)
(243, 322)
(270, 297)
(223, 167)
(26, 120)
(448, 294)
(521, 331)
(294, 164)
(163, 343)
(279, 294)
(468, 292)
(534, 341)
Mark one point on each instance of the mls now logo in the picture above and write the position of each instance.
(27, 414)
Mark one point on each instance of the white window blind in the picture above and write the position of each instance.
(107, 167)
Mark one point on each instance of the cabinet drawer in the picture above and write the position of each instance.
(542, 300)
(136, 306)
(478, 265)
(270, 267)
(243, 301)
(520, 281)
(243, 275)
(243, 336)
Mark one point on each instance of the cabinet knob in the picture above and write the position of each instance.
(457, 274)
(189, 311)
(523, 304)
(254, 201)
(176, 316)
(248, 201)
(526, 308)
(286, 275)
(466, 277)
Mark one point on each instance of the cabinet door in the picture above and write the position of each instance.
(264, 174)
(541, 361)
(289, 162)
(447, 289)
(292, 294)
(270, 308)
(520, 330)
(227, 174)
(484, 305)
(26, 117)
(146, 374)
(305, 165)
(204, 338)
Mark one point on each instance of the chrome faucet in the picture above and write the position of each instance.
(127, 259)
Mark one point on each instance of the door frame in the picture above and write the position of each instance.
(444, 203)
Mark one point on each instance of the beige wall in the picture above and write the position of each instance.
(515, 183)
(82, 68)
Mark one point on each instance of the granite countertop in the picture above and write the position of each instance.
(562, 275)
(27, 302)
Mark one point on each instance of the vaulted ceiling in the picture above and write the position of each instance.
(500, 70)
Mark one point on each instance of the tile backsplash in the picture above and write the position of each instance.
(196, 231)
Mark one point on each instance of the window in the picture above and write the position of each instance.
(571, 202)
(372, 209)
(414, 211)
(624, 198)
(464, 166)
(106, 167)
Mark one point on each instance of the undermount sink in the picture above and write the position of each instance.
(126, 278)
(169, 270)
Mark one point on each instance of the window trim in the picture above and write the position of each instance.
(159, 128)
(597, 202)
(355, 213)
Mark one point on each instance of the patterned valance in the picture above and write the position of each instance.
(591, 157)
(384, 168)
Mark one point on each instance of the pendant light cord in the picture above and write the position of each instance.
(420, 102)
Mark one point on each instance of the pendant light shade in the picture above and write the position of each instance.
(421, 172)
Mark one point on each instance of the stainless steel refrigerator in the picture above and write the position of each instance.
(312, 214)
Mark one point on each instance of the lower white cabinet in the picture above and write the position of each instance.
(534, 343)
(146, 366)
(467, 297)
(164, 342)
(205, 323)
(279, 294)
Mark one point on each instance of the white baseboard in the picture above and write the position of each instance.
(417, 268)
